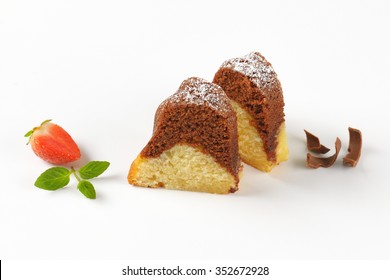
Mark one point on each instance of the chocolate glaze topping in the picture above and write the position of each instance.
(199, 114)
(252, 82)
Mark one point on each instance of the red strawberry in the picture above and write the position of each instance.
(53, 144)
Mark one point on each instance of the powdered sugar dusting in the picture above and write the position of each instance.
(255, 67)
(201, 92)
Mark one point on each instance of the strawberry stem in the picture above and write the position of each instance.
(30, 133)
(46, 121)
(75, 173)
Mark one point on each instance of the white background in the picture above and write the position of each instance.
(101, 68)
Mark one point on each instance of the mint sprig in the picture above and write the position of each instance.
(53, 179)
(87, 189)
(93, 169)
(58, 177)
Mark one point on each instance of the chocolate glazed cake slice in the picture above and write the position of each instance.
(194, 144)
(256, 95)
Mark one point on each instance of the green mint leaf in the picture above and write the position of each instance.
(87, 189)
(93, 169)
(28, 134)
(53, 179)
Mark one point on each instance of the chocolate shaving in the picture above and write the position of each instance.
(354, 148)
(313, 144)
(315, 162)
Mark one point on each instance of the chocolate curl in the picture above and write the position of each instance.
(313, 144)
(316, 162)
(354, 148)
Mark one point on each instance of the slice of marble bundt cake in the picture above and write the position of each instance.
(256, 95)
(194, 145)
